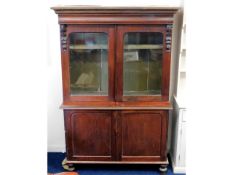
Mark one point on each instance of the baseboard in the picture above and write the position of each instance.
(180, 170)
(177, 169)
(56, 148)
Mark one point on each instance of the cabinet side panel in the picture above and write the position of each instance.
(164, 128)
(68, 134)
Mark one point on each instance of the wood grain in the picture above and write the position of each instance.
(115, 129)
(90, 135)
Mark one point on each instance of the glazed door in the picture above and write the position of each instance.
(90, 135)
(142, 136)
(142, 64)
(88, 63)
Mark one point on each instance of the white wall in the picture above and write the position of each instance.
(56, 139)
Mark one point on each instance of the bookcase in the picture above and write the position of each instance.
(116, 80)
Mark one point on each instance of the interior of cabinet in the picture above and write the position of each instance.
(142, 66)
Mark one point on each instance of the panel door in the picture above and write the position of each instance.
(90, 135)
(143, 135)
(143, 63)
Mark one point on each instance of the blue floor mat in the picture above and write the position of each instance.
(55, 159)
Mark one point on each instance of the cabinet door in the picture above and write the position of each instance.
(143, 65)
(143, 135)
(90, 135)
(88, 63)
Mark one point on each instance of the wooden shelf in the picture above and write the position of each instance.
(143, 46)
(91, 47)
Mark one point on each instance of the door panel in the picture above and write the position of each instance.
(91, 135)
(141, 61)
(88, 63)
(142, 134)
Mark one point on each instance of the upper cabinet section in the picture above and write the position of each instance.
(115, 54)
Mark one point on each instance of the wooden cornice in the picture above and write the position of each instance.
(114, 10)
(114, 15)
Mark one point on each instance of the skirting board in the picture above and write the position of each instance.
(177, 169)
(56, 148)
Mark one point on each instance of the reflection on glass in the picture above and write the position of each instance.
(88, 64)
(142, 69)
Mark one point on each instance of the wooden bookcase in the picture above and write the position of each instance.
(116, 79)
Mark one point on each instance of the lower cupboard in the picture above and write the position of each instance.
(116, 136)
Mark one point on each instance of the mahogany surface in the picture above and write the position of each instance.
(91, 131)
(120, 135)
(115, 128)
(141, 135)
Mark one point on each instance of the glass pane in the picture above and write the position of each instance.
(88, 64)
(142, 69)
